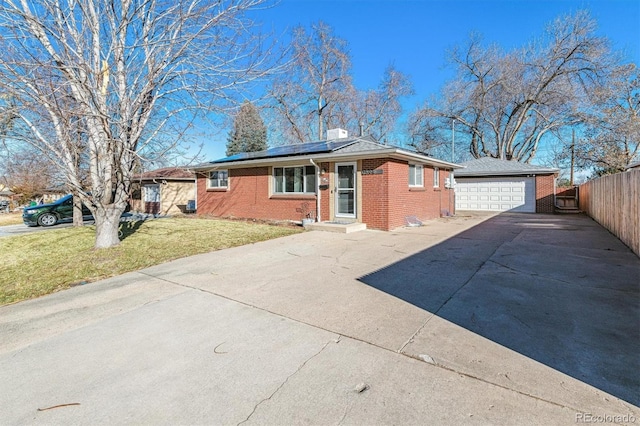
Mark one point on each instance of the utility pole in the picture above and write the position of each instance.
(453, 140)
(573, 150)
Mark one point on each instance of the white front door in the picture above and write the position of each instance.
(345, 190)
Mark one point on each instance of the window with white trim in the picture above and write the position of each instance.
(218, 179)
(416, 177)
(436, 177)
(294, 180)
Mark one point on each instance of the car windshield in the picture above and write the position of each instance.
(64, 199)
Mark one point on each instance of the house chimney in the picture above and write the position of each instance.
(361, 129)
(336, 134)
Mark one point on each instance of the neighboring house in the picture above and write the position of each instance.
(6, 194)
(500, 185)
(6, 198)
(51, 195)
(163, 191)
(339, 180)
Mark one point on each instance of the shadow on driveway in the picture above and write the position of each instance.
(559, 290)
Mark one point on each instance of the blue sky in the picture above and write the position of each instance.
(414, 35)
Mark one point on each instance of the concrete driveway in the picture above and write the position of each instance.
(11, 230)
(528, 319)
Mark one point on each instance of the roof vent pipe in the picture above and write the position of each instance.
(361, 129)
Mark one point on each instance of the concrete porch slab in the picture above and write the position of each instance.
(343, 228)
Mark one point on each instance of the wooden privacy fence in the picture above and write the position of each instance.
(613, 201)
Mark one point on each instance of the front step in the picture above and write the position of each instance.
(568, 210)
(344, 228)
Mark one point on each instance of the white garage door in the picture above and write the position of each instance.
(516, 194)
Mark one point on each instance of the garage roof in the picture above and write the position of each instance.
(488, 166)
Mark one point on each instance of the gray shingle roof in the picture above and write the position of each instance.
(488, 166)
(323, 150)
(350, 144)
(361, 145)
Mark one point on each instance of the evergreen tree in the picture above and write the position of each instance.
(249, 133)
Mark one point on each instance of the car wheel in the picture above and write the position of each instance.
(47, 219)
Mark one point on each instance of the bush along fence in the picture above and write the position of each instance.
(614, 202)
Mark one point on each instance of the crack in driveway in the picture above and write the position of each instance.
(488, 259)
(436, 364)
(255, 408)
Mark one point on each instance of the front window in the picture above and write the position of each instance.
(218, 179)
(436, 177)
(415, 175)
(294, 180)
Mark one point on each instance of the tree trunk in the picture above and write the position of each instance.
(107, 226)
(77, 211)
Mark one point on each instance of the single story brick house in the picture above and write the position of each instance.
(342, 179)
(491, 184)
(163, 191)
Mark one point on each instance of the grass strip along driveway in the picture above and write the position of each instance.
(41, 263)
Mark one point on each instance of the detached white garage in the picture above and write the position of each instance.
(498, 194)
(489, 184)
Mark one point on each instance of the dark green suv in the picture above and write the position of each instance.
(50, 214)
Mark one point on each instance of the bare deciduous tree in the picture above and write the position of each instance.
(378, 110)
(126, 75)
(318, 92)
(611, 140)
(319, 77)
(27, 173)
(504, 103)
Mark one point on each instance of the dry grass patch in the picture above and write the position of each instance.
(10, 219)
(44, 262)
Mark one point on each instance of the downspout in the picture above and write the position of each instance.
(317, 189)
(196, 192)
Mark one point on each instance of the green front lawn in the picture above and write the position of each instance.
(44, 262)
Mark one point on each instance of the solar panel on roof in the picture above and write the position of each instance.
(287, 150)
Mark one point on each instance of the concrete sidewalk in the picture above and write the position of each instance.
(527, 319)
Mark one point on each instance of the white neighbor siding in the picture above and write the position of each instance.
(516, 194)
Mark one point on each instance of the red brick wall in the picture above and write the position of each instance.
(387, 199)
(248, 197)
(545, 193)
(325, 194)
(423, 202)
(375, 194)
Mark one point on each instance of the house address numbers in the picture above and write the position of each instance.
(372, 172)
